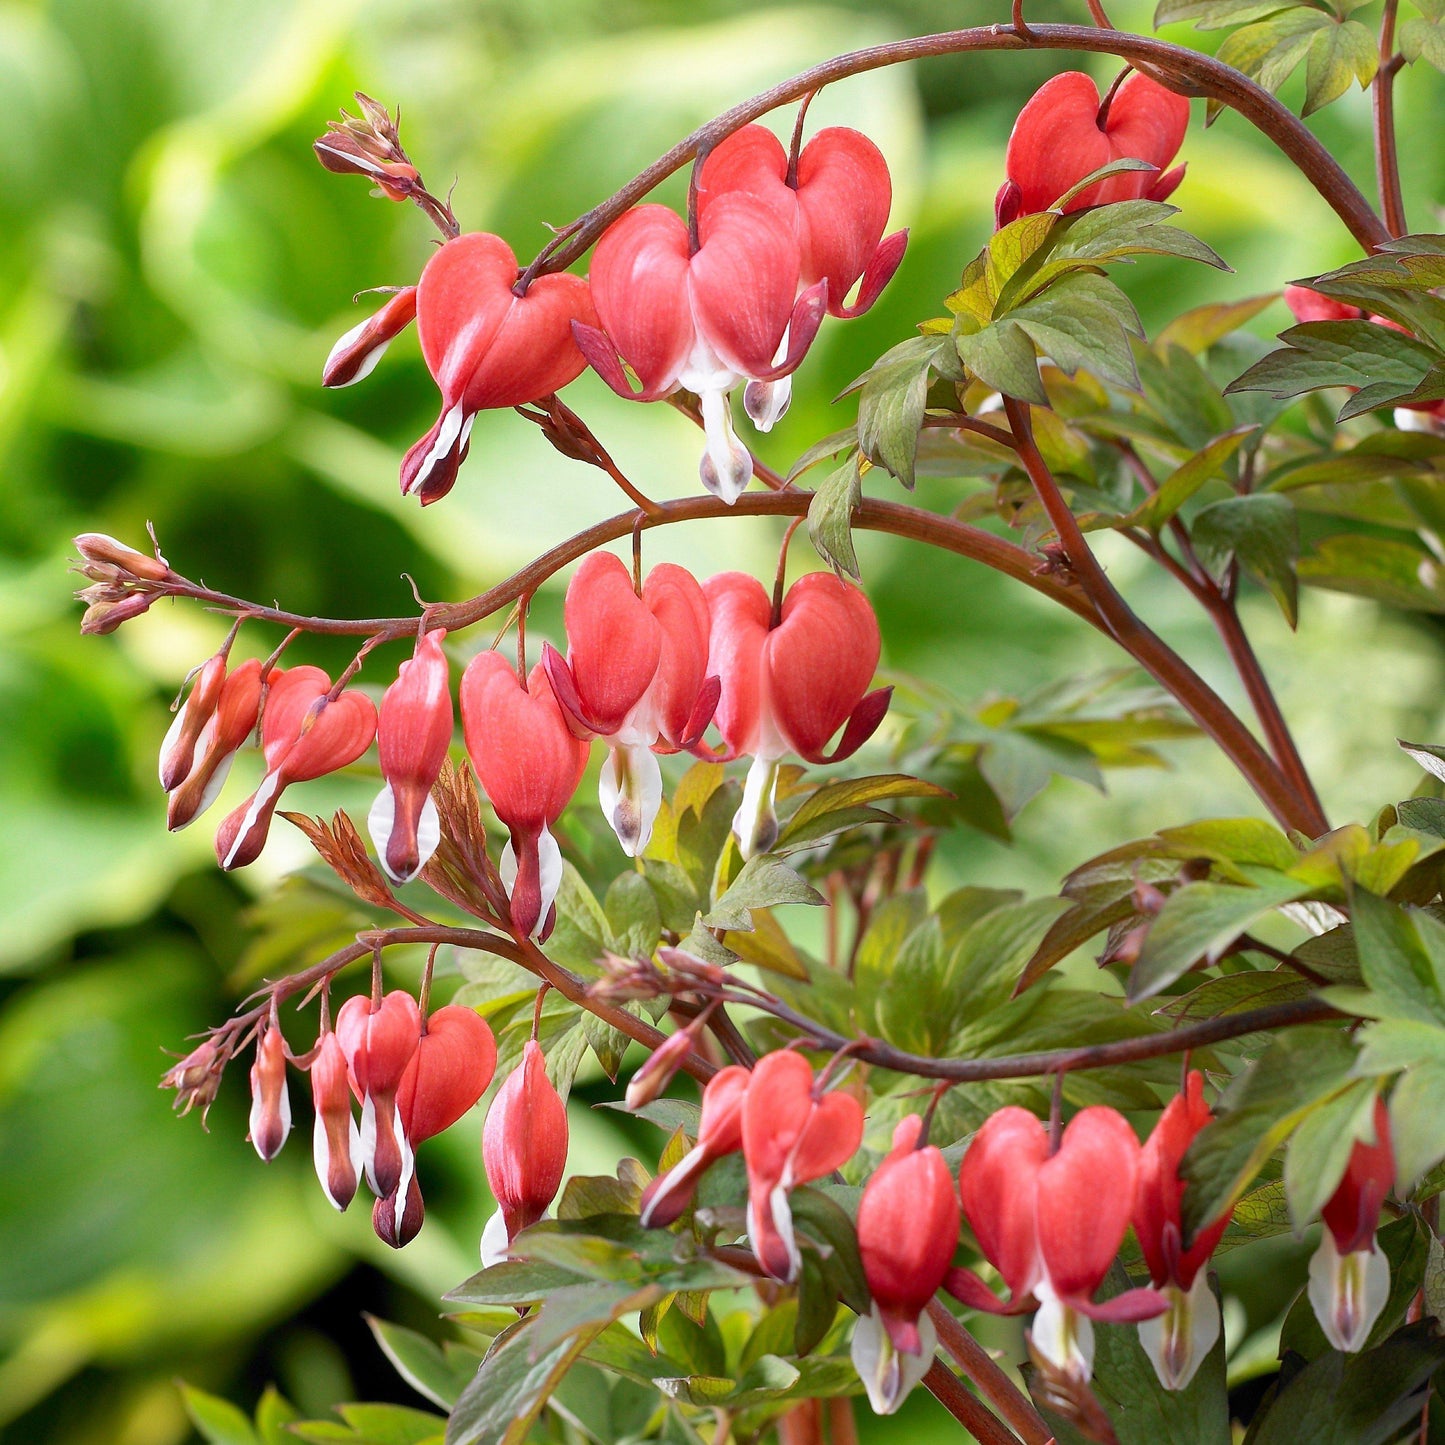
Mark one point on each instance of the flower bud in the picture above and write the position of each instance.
(111, 559)
(224, 733)
(398, 1232)
(270, 1102)
(103, 617)
(453, 1064)
(524, 1149)
(657, 1071)
(336, 1141)
(413, 734)
(178, 750)
(355, 355)
(196, 1078)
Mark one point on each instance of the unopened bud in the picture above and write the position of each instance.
(270, 1103)
(399, 1230)
(624, 979)
(103, 617)
(657, 1071)
(103, 551)
(336, 1141)
(196, 1078)
(178, 751)
(697, 971)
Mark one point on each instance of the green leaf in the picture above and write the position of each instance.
(830, 446)
(765, 882)
(1428, 755)
(1261, 533)
(891, 398)
(1083, 323)
(1422, 39)
(1363, 1399)
(844, 795)
(1185, 480)
(1338, 54)
(375, 1425)
(1417, 1123)
(1268, 50)
(1259, 1110)
(1214, 14)
(219, 1422)
(1198, 329)
(420, 1362)
(830, 517)
(1002, 357)
(1198, 923)
(1402, 956)
(1113, 168)
(1319, 1148)
(514, 1282)
(1395, 573)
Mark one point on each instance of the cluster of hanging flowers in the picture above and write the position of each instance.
(734, 294)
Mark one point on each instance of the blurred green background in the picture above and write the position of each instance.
(174, 266)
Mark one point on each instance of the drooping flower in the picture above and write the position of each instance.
(529, 764)
(454, 1062)
(524, 1149)
(379, 1042)
(1051, 1225)
(908, 1223)
(636, 675)
(270, 1101)
(487, 347)
(1178, 1340)
(304, 734)
(792, 1135)
(702, 318)
(719, 1132)
(788, 684)
(1349, 1274)
(1065, 133)
(413, 733)
(210, 727)
(335, 1139)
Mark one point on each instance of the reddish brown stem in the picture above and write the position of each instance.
(1193, 73)
(988, 1378)
(1203, 704)
(1387, 154)
(970, 1412)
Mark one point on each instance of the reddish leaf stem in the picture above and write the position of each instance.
(1387, 154)
(988, 1378)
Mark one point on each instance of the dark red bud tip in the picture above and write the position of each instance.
(429, 469)
(601, 355)
(564, 689)
(399, 1230)
(1167, 184)
(526, 899)
(808, 313)
(102, 550)
(1008, 205)
(886, 260)
(1127, 1308)
(968, 1289)
(708, 697)
(862, 724)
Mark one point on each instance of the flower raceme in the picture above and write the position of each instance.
(702, 318)
(792, 1134)
(305, 734)
(1179, 1339)
(719, 1133)
(908, 1223)
(210, 727)
(484, 345)
(790, 681)
(414, 731)
(636, 675)
(1051, 1224)
(1349, 1276)
(1065, 133)
(524, 1150)
(529, 764)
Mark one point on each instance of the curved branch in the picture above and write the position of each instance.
(1196, 74)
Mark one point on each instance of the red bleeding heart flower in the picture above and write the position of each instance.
(792, 1135)
(908, 1223)
(840, 193)
(450, 1070)
(335, 1139)
(635, 674)
(487, 347)
(788, 684)
(719, 1132)
(524, 1149)
(270, 1102)
(1178, 1340)
(702, 319)
(1052, 1225)
(1064, 133)
(1349, 1274)
(305, 734)
(413, 734)
(529, 764)
(379, 1043)
(210, 727)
